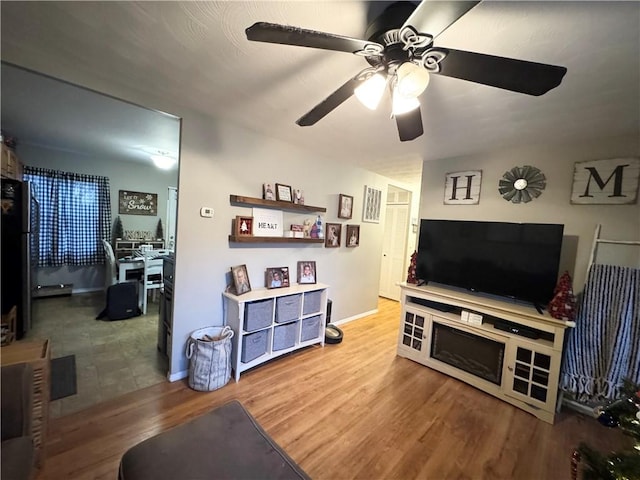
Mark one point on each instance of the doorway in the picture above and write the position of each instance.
(394, 245)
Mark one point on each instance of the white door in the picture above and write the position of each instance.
(172, 212)
(394, 249)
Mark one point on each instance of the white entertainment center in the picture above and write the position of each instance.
(506, 349)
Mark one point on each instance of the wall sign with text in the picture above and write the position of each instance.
(137, 203)
(602, 182)
(462, 188)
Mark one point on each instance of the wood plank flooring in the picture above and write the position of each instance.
(348, 411)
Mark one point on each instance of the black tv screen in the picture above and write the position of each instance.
(516, 260)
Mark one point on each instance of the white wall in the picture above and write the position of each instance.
(620, 222)
(122, 176)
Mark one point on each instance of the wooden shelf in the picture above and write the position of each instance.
(260, 202)
(233, 238)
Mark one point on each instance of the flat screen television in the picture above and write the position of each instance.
(515, 260)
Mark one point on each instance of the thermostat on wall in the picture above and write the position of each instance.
(206, 212)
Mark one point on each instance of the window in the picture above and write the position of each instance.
(75, 216)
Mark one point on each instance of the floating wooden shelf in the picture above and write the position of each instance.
(233, 238)
(260, 202)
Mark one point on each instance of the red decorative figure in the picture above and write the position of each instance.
(411, 274)
(563, 304)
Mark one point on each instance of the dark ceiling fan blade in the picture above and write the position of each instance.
(435, 17)
(287, 35)
(329, 104)
(409, 125)
(501, 72)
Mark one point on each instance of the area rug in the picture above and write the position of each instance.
(225, 443)
(63, 377)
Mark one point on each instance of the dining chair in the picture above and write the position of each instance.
(111, 270)
(151, 279)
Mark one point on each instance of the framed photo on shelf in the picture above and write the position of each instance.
(345, 206)
(283, 193)
(353, 236)
(240, 279)
(267, 192)
(372, 205)
(306, 272)
(332, 238)
(243, 226)
(277, 277)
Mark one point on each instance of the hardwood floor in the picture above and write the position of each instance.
(352, 410)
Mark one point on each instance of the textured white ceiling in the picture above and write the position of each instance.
(195, 54)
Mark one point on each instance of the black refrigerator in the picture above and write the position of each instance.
(20, 250)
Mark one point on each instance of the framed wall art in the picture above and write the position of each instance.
(353, 236)
(345, 206)
(332, 238)
(283, 193)
(372, 205)
(462, 188)
(243, 226)
(277, 277)
(267, 192)
(306, 272)
(606, 182)
(240, 279)
(137, 203)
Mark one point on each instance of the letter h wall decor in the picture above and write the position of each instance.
(462, 188)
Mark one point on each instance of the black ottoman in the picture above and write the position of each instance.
(226, 443)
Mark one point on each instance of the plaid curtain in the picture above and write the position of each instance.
(75, 216)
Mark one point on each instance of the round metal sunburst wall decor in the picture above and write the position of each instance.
(522, 184)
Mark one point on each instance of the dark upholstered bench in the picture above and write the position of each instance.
(226, 443)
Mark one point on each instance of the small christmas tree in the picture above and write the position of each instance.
(118, 232)
(625, 414)
(411, 274)
(159, 232)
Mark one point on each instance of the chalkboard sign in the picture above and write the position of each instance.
(137, 203)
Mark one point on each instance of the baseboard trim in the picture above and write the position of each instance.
(355, 317)
(174, 377)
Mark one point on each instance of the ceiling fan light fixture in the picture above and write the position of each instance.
(403, 104)
(369, 93)
(162, 161)
(412, 80)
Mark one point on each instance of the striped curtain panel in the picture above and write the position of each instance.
(75, 215)
(604, 347)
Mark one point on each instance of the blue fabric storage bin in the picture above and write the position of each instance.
(312, 302)
(258, 315)
(310, 328)
(254, 345)
(288, 308)
(284, 336)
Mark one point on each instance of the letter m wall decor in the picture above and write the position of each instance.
(462, 188)
(613, 181)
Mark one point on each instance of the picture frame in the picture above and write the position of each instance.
(298, 196)
(268, 192)
(277, 277)
(283, 193)
(333, 234)
(243, 226)
(241, 282)
(353, 236)
(372, 205)
(306, 272)
(345, 206)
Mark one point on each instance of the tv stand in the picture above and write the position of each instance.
(525, 345)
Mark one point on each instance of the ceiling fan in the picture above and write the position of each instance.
(401, 55)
